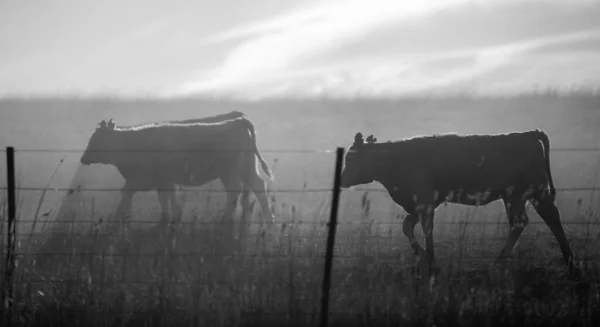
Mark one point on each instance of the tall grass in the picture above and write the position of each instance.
(184, 277)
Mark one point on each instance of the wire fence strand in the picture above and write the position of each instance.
(283, 190)
(319, 255)
(175, 151)
(298, 222)
(216, 150)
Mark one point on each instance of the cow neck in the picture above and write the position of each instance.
(127, 142)
(379, 162)
(392, 159)
(133, 139)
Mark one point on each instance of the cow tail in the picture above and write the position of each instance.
(543, 137)
(263, 163)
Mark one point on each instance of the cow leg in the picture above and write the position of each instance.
(166, 197)
(163, 200)
(233, 187)
(123, 211)
(176, 207)
(550, 214)
(245, 202)
(408, 227)
(517, 220)
(233, 190)
(427, 226)
(246, 214)
(259, 187)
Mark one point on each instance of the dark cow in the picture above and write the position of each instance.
(422, 172)
(193, 152)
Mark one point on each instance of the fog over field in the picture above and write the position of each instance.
(287, 128)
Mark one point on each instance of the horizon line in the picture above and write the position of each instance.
(541, 91)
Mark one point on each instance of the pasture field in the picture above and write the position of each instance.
(76, 269)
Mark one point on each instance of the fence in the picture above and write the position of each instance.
(11, 254)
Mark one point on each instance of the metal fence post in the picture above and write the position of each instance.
(7, 284)
(331, 237)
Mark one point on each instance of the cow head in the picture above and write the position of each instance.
(357, 164)
(101, 141)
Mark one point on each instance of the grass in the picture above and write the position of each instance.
(153, 276)
(77, 271)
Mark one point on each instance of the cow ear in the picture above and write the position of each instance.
(102, 124)
(358, 139)
(111, 124)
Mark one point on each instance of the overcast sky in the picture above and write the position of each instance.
(297, 47)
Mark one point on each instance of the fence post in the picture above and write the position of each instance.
(7, 285)
(331, 237)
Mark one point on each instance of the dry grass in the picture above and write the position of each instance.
(160, 276)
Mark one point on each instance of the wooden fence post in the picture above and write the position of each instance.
(7, 283)
(331, 237)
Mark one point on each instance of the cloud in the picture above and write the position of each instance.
(498, 60)
(490, 59)
(105, 52)
(514, 65)
(295, 18)
(280, 43)
(285, 54)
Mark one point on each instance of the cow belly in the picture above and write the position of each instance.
(197, 176)
(489, 172)
(477, 197)
(474, 191)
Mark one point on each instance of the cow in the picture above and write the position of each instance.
(159, 156)
(422, 172)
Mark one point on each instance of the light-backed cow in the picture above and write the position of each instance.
(420, 173)
(160, 156)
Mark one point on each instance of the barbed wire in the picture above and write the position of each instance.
(71, 190)
(303, 190)
(174, 151)
(202, 255)
(216, 150)
(179, 283)
(297, 222)
(348, 259)
(262, 312)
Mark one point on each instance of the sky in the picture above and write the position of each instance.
(274, 48)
